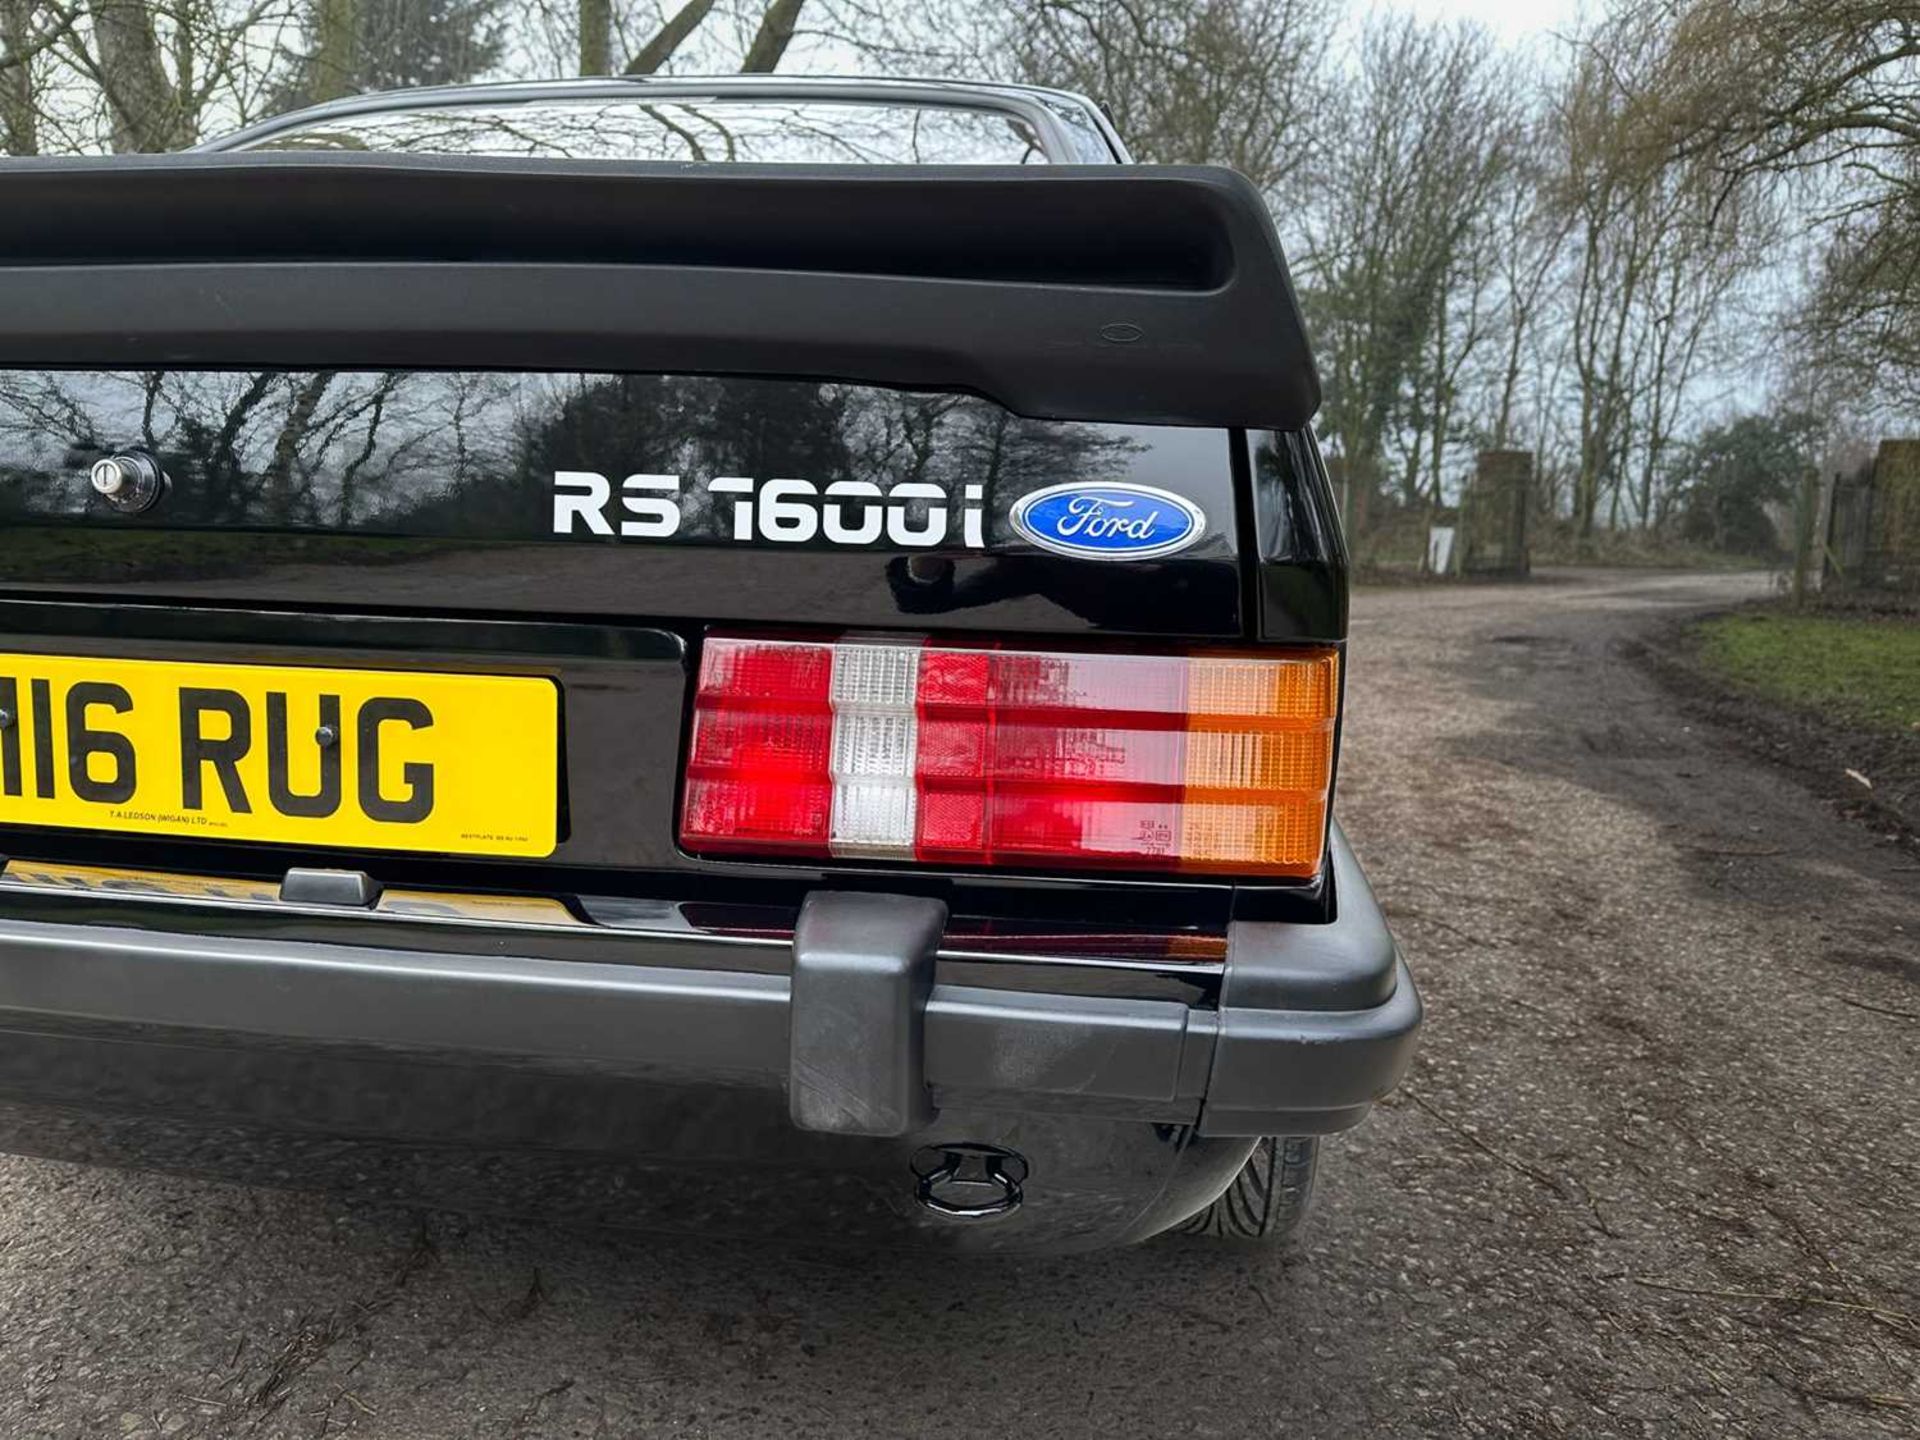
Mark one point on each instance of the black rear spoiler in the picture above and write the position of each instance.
(1145, 294)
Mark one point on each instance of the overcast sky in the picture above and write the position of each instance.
(1510, 19)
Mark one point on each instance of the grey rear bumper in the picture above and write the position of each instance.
(1314, 1022)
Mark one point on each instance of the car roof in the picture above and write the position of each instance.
(1056, 115)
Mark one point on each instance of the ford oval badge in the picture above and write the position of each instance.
(1109, 522)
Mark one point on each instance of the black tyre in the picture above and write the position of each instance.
(1269, 1199)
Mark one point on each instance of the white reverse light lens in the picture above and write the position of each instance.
(873, 695)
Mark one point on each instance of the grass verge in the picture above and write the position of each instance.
(1832, 694)
(1864, 670)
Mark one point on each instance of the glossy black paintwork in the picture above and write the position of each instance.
(1300, 564)
(433, 493)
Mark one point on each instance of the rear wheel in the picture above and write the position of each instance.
(1269, 1199)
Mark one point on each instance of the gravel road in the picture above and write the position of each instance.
(1656, 1171)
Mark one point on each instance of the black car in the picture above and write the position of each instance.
(796, 696)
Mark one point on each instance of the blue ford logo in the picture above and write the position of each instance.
(1109, 522)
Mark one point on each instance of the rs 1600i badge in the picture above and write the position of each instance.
(913, 514)
(1109, 522)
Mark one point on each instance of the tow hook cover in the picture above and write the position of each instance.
(862, 970)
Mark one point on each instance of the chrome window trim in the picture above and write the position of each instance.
(1064, 140)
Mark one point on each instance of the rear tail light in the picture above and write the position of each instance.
(960, 756)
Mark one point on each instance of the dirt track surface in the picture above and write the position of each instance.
(1656, 1172)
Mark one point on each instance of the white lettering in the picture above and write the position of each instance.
(872, 518)
(971, 523)
(656, 516)
(742, 509)
(785, 511)
(586, 505)
(900, 527)
(1087, 516)
(913, 514)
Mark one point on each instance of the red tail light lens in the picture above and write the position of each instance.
(762, 749)
(988, 756)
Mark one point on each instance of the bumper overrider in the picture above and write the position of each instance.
(844, 1089)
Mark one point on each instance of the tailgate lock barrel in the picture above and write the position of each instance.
(862, 970)
(131, 482)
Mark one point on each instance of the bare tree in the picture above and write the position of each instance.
(27, 32)
(352, 46)
(1532, 231)
(1469, 191)
(1779, 85)
(774, 24)
(1823, 97)
(1660, 246)
(1225, 82)
(146, 77)
(1416, 143)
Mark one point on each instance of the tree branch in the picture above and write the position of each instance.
(774, 35)
(63, 23)
(672, 35)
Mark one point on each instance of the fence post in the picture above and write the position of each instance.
(1803, 533)
(1893, 522)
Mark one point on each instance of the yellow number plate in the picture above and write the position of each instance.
(367, 759)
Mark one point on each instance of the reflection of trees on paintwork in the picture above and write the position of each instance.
(278, 449)
(473, 454)
(41, 422)
(317, 448)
